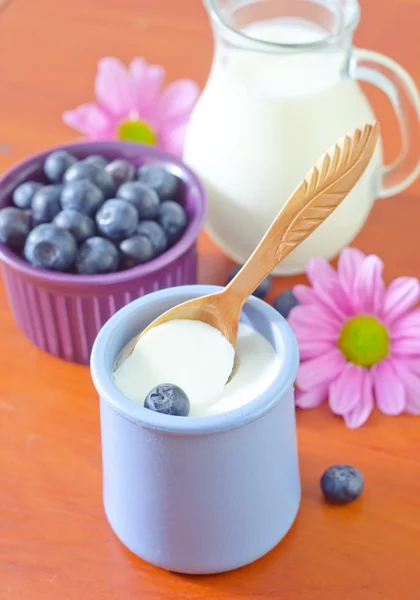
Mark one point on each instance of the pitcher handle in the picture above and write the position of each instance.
(397, 84)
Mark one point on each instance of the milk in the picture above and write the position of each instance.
(261, 123)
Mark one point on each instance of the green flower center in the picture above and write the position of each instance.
(364, 341)
(137, 131)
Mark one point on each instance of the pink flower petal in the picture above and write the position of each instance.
(175, 103)
(320, 370)
(318, 269)
(402, 347)
(145, 82)
(349, 261)
(346, 390)
(317, 316)
(305, 294)
(90, 120)
(331, 295)
(112, 87)
(311, 348)
(408, 325)
(402, 294)
(369, 286)
(389, 390)
(313, 397)
(412, 363)
(172, 138)
(361, 412)
(411, 382)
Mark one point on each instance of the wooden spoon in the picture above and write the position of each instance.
(323, 189)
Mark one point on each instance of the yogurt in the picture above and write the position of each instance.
(200, 360)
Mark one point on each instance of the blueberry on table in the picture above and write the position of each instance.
(136, 250)
(49, 247)
(144, 198)
(342, 484)
(23, 194)
(96, 159)
(261, 291)
(156, 235)
(14, 227)
(83, 196)
(173, 219)
(117, 219)
(80, 225)
(165, 183)
(85, 170)
(168, 399)
(284, 303)
(97, 256)
(46, 203)
(120, 171)
(57, 163)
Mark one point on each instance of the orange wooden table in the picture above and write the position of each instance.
(54, 540)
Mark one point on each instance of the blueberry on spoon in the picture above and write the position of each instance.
(168, 399)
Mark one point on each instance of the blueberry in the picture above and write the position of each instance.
(342, 484)
(136, 250)
(165, 184)
(96, 159)
(117, 219)
(85, 170)
(168, 399)
(83, 196)
(49, 247)
(142, 197)
(80, 225)
(261, 291)
(97, 255)
(23, 194)
(46, 203)
(14, 227)
(120, 171)
(57, 163)
(285, 302)
(156, 235)
(173, 219)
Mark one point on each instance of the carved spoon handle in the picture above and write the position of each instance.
(321, 191)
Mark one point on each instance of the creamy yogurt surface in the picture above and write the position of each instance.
(200, 360)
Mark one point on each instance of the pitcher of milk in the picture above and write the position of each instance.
(283, 88)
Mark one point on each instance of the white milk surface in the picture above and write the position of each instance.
(200, 360)
(260, 124)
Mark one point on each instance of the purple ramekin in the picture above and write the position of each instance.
(62, 313)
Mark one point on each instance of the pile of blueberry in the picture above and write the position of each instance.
(94, 216)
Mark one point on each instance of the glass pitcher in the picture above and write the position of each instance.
(282, 89)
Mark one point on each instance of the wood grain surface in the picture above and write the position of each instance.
(54, 540)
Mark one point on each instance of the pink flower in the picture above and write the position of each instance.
(131, 106)
(359, 340)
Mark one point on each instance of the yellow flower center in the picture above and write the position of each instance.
(137, 131)
(364, 341)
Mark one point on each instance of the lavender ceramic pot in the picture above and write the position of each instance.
(199, 494)
(62, 313)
